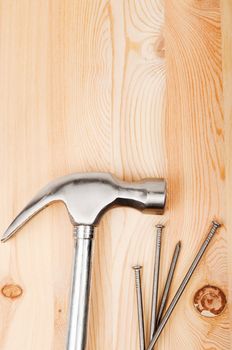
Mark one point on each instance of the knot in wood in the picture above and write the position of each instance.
(12, 291)
(153, 48)
(210, 301)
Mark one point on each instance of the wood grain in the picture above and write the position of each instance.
(139, 89)
(227, 91)
(196, 160)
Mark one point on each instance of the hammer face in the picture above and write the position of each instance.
(88, 195)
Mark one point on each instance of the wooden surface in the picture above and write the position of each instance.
(137, 88)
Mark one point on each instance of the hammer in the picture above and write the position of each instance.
(87, 196)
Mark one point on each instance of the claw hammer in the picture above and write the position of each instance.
(87, 196)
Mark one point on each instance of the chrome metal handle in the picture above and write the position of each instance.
(79, 303)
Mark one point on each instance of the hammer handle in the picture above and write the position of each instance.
(79, 304)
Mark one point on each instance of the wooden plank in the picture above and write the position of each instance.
(138, 101)
(196, 159)
(196, 163)
(227, 92)
(135, 88)
(55, 119)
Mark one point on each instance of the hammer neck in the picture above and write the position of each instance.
(83, 232)
(79, 303)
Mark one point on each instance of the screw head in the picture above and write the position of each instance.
(137, 267)
(159, 226)
(216, 224)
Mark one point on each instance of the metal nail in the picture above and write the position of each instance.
(137, 270)
(168, 282)
(214, 227)
(156, 281)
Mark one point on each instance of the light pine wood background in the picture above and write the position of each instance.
(137, 88)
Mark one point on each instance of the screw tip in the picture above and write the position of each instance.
(137, 267)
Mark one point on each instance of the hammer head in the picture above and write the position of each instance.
(88, 195)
